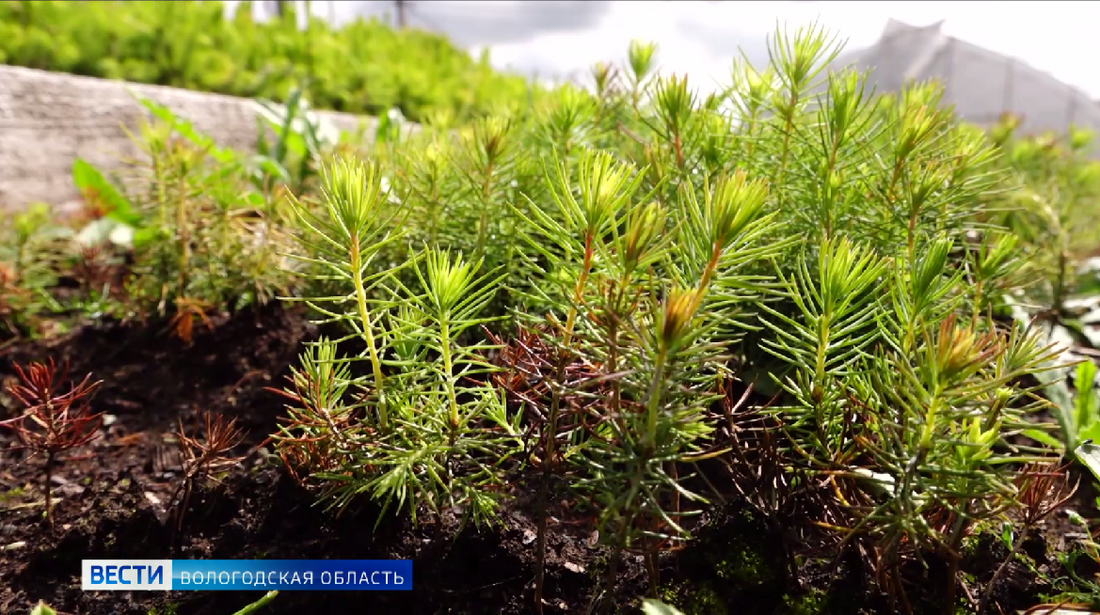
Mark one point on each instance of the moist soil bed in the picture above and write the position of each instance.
(109, 503)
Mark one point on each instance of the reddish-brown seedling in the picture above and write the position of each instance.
(1043, 489)
(310, 414)
(182, 324)
(533, 369)
(52, 422)
(205, 455)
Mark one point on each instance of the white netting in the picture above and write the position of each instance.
(980, 84)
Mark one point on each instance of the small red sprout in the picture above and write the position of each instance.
(205, 456)
(52, 422)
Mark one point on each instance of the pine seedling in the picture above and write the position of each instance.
(1043, 489)
(723, 233)
(674, 102)
(341, 243)
(452, 436)
(568, 120)
(335, 416)
(52, 422)
(642, 413)
(798, 61)
(431, 181)
(456, 184)
(941, 421)
(653, 423)
(577, 225)
(927, 396)
(204, 456)
(202, 238)
(321, 416)
(448, 436)
(670, 371)
(836, 323)
(428, 432)
(640, 58)
(29, 255)
(749, 93)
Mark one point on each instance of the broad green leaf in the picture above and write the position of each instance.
(1056, 389)
(1085, 404)
(1089, 454)
(1090, 432)
(187, 131)
(93, 185)
(269, 167)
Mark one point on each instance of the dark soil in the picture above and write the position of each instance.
(110, 504)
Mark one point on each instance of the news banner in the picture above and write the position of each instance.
(237, 575)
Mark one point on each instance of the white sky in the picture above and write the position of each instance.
(1061, 38)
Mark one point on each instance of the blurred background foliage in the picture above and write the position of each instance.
(364, 67)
